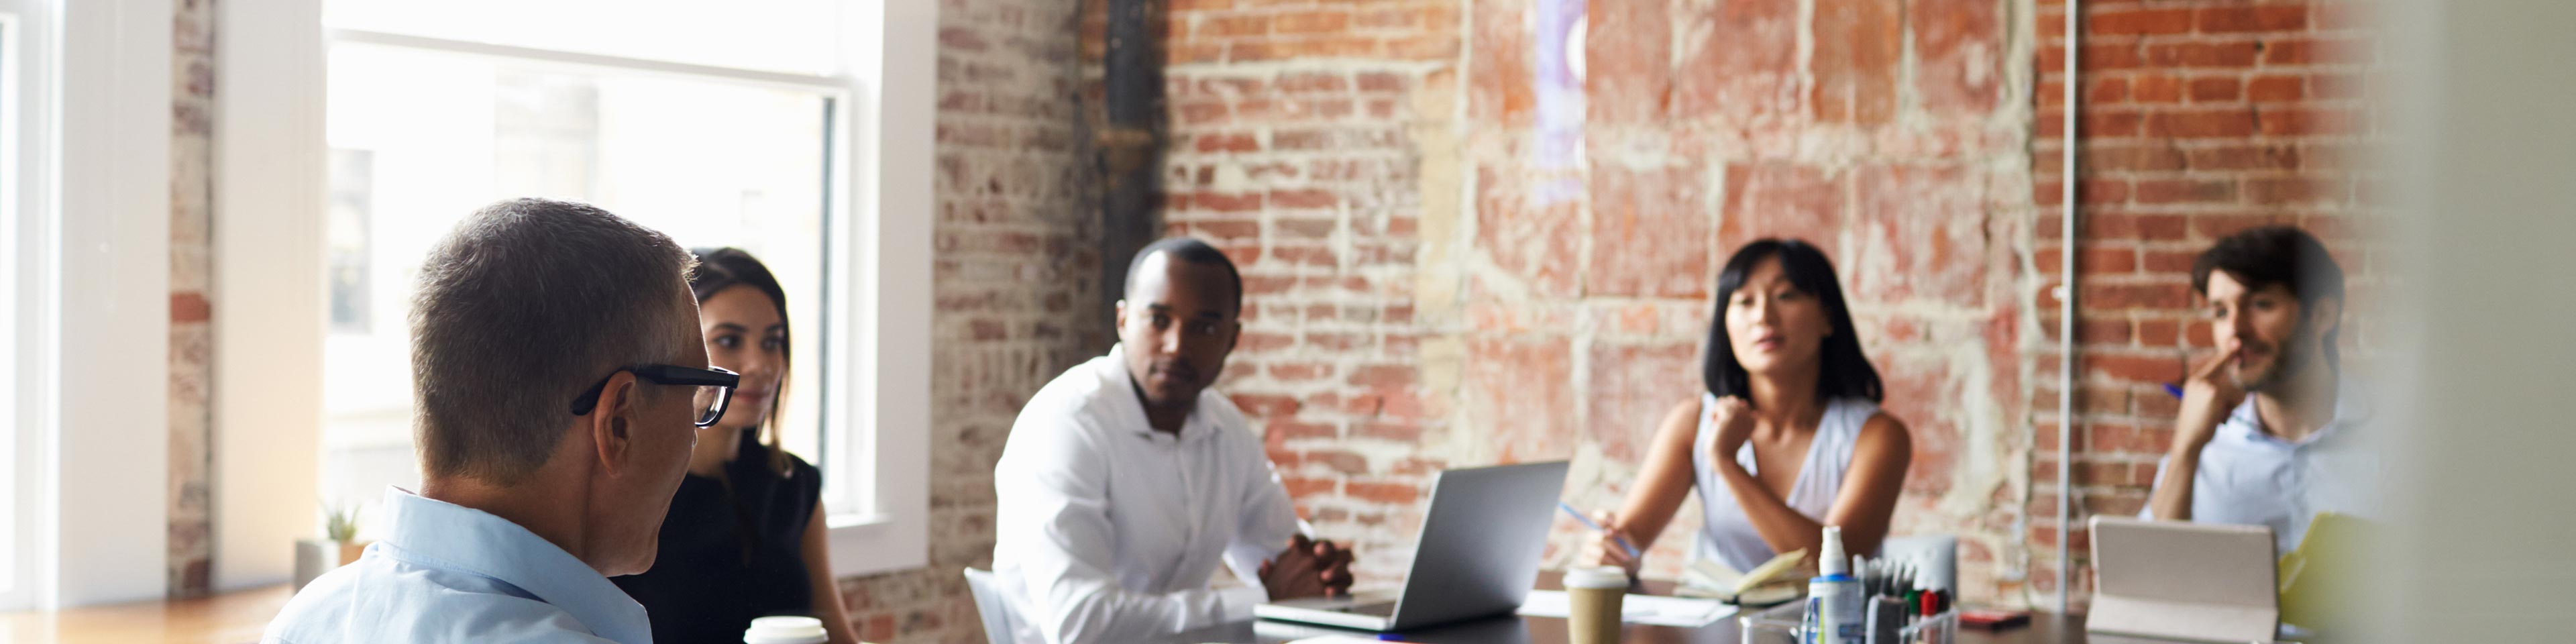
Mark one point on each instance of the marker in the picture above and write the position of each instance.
(1579, 518)
(2174, 389)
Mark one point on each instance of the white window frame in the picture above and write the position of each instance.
(271, 315)
(18, 230)
(92, 297)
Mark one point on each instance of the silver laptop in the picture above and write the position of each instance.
(2198, 582)
(1478, 554)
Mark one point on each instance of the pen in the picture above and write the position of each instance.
(1579, 518)
(2174, 389)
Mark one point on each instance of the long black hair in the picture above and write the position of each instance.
(1846, 372)
(723, 268)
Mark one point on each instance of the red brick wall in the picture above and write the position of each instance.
(2198, 119)
(1458, 252)
(1015, 286)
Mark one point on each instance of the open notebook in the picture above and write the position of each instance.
(1774, 582)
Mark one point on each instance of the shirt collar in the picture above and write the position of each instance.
(1119, 384)
(444, 535)
(2352, 408)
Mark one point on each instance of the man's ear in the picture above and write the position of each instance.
(2324, 316)
(1121, 319)
(612, 426)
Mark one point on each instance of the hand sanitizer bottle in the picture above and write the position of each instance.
(1833, 598)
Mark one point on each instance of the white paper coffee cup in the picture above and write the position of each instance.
(785, 630)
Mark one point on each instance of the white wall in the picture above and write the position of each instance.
(103, 487)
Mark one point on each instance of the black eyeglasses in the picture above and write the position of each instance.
(714, 388)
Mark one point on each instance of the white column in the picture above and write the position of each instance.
(106, 486)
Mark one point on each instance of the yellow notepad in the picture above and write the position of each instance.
(2316, 577)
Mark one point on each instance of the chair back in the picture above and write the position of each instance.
(1001, 623)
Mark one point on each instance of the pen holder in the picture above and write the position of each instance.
(1780, 625)
(1937, 629)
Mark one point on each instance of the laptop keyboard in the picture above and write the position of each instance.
(1379, 609)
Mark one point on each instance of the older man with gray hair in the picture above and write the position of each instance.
(556, 371)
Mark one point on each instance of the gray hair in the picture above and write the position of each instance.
(526, 303)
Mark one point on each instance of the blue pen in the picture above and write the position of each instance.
(1579, 518)
(2174, 389)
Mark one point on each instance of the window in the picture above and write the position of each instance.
(421, 133)
(799, 130)
(362, 129)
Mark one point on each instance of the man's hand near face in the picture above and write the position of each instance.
(1308, 568)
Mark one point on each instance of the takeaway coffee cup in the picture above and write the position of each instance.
(1593, 596)
(785, 630)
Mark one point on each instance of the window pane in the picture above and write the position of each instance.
(800, 36)
(419, 139)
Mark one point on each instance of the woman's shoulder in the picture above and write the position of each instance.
(1855, 410)
(797, 473)
(1869, 422)
(805, 475)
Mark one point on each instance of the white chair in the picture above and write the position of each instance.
(1001, 622)
(1937, 554)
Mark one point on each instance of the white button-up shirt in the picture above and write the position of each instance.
(2250, 477)
(1109, 531)
(448, 573)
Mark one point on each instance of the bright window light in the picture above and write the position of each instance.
(421, 137)
(793, 36)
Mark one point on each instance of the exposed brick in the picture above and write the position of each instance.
(1629, 55)
(2312, 121)
(1956, 45)
(2270, 89)
(1642, 382)
(2164, 191)
(2233, 19)
(1529, 228)
(1500, 82)
(2135, 22)
(2194, 124)
(1780, 200)
(1857, 47)
(2202, 55)
(2216, 89)
(1651, 233)
(1747, 63)
(1311, 22)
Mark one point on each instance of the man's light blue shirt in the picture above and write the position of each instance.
(2250, 477)
(448, 573)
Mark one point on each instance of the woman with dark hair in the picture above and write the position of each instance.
(744, 537)
(1788, 437)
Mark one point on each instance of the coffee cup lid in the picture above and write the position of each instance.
(785, 630)
(1596, 577)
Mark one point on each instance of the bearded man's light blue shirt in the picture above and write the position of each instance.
(448, 573)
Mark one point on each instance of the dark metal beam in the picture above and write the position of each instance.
(1129, 141)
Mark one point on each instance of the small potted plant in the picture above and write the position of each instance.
(340, 545)
(341, 526)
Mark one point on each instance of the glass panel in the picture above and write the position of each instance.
(422, 138)
(10, 225)
(797, 36)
